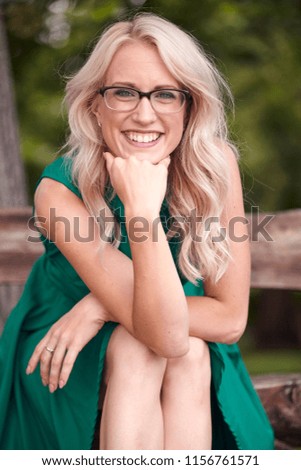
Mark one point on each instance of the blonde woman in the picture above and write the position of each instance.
(142, 293)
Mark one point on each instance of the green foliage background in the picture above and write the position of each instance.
(255, 44)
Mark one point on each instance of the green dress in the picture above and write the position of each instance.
(33, 418)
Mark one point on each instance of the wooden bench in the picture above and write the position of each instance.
(276, 264)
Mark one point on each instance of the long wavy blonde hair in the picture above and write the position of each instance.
(198, 179)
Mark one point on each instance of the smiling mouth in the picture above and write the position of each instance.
(144, 138)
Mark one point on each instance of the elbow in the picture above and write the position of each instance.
(175, 341)
(166, 341)
(172, 347)
(235, 332)
(171, 352)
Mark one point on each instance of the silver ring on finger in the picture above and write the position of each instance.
(51, 350)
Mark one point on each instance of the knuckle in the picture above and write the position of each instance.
(43, 364)
(64, 338)
(44, 359)
(66, 368)
(55, 334)
(68, 362)
(55, 364)
(53, 375)
(44, 375)
(33, 358)
(38, 350)
(38, 347)
(76, 345)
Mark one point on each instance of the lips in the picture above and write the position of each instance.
(142, 137)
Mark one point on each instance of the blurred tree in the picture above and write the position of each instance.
(257, 46)
(12, 177)
(49, 40)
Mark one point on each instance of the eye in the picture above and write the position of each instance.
(166, 95)
(124, 93)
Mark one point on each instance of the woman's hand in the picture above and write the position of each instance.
(140, 184)
(59, 348)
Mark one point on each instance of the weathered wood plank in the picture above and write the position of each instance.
(9, 296)
(276, 262)
(17, 253)
(276, 258)
(281, 398)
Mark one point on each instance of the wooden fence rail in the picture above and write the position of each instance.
(276, 264)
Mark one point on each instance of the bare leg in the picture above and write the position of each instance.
(132, 413)
(186, 399)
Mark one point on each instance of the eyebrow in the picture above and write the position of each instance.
(132, 85)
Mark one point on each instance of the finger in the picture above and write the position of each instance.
(67, 367)
(55, 367)
(36, 355)
(165, 162)
(51, 342)
(45, 361)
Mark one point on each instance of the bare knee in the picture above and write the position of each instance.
(131, 361)
(194, 367)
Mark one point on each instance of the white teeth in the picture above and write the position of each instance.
(145, 138)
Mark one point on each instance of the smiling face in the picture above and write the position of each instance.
(143, 132)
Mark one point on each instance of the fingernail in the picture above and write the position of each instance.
(51, 388)
(61, 383)
(44, 383)
(28, 370)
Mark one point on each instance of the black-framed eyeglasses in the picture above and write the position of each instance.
(164, 100)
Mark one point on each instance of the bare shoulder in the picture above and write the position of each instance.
(52, 196)
(231, 155)
(54, 202)
(50, 191)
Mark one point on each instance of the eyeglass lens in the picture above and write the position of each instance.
(127, 99)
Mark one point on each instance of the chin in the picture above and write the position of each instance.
(142, 155)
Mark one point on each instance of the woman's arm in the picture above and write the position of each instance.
(153, 309)
(221, 315)
(159, 303)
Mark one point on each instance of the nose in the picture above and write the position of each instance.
(144, 112)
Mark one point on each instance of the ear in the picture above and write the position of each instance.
(95, 108)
